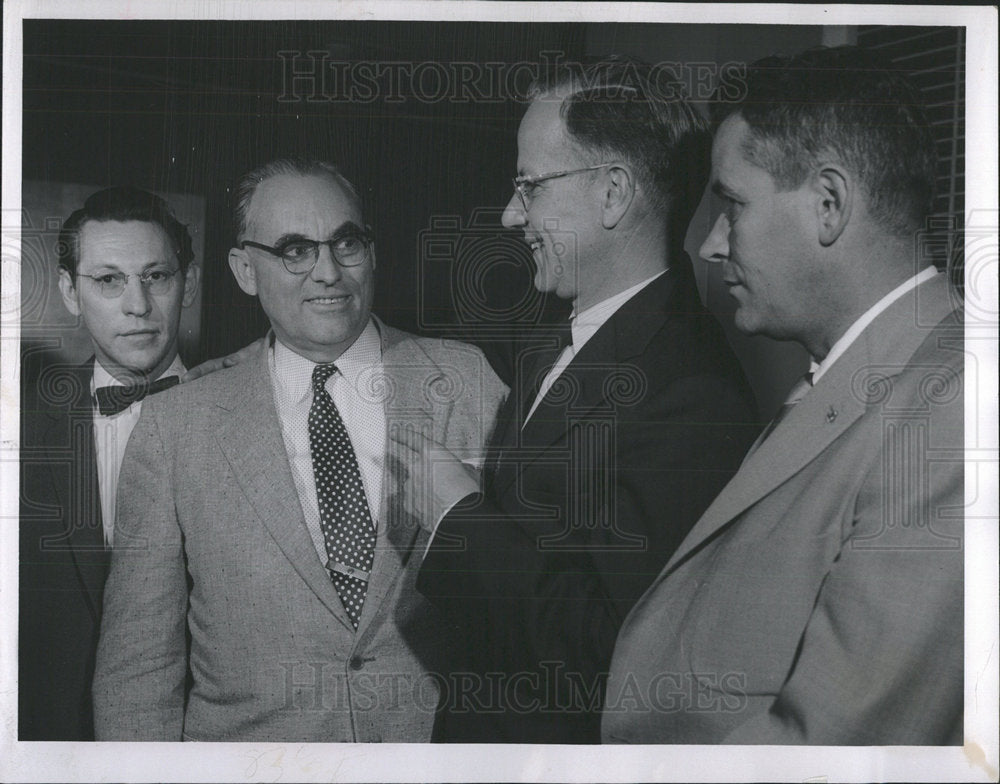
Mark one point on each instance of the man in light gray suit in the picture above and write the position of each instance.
(262, 584)
(819, 599)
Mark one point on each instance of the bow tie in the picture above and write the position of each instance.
(114, 400)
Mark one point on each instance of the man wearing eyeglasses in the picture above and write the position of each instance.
(125, 270)
(261, 550)
(613, 441)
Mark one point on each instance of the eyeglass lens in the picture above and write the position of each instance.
(112, 284)
(300, 257)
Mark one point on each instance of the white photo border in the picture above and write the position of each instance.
(976, 761)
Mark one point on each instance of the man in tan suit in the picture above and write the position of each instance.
(819, 599)
(260, 552)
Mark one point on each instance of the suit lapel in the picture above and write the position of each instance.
(505, 436)
(839, 399)
(81, 499)
(91, 556)
(250, 437)
(803, 435)
(531, 361)
(589, 380)
(409, 373)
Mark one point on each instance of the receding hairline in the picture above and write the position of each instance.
(565, 134)
(567, 83)
(335, 177)
(586, 152)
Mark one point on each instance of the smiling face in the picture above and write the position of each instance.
(134, 334)
(321, 313)
(763, 237)
(561, 221)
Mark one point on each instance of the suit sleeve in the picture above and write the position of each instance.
(566, 602)
(881, 659)
(142, 655)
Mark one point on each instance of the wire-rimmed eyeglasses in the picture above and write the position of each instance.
(112, 284)
(300, 255)
(525, 185)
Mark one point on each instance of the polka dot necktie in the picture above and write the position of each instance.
(344, 517)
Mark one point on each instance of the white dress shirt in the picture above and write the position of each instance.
(111, 434)
(837, 349)
(361, 409)
(583, 325)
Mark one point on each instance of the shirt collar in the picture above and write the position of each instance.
(584, 324)
(294, 372)
(837, 349)
(103, 378)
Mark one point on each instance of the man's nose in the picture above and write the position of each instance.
(136, 300)
(513, 214)
(327, 270)
(716, 244)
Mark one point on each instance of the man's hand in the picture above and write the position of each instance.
(212, 365)
(433, 479)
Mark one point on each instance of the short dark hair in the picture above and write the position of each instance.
(848, 101)
(623, 108)
(247, 184)
(122, 203)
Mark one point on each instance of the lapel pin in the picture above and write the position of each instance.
(831, 414)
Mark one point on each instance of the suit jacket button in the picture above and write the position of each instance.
(357, 663)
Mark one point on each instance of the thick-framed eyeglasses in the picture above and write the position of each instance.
(300, 256)
(525, 185)
(112, 284)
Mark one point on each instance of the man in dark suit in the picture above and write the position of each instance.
(125, 269)
(612, 443)
(819, 600)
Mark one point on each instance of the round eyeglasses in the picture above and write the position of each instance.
(300, 255)
(112, 284)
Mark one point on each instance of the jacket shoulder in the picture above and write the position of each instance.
(693, 343)
(450, 356)
(194, 397)
(932, 379)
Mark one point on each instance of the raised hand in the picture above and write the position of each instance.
(433, 479)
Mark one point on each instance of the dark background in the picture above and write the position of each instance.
(187, 106)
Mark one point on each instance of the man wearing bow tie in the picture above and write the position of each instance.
(261, 549)
(125, 270)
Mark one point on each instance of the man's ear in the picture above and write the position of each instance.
(70, 296)
(243, 271)
(192, 278)
(371, 252)
(835, 191)
(618, 194)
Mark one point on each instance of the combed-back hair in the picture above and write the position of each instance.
(121, 203)
(847, 102)
(620, 108)
(247, 184)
